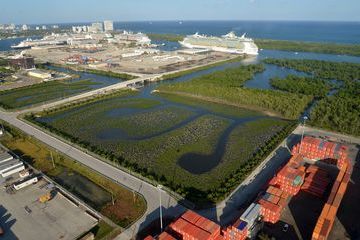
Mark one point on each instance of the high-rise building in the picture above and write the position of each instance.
(108, 26)
(43, 27)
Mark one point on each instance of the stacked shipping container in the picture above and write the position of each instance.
(316, 181)
(318, 149)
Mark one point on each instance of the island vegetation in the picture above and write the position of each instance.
(316, 47)
(344, 71)
(302, 85)
(338, 111)
(226, 87)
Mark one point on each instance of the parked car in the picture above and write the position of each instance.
(285, 227)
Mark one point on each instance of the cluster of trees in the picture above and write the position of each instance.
(227, 87)
(329, 48)
(166, 37)
(340, 112)
(303, 85)
(321, 69)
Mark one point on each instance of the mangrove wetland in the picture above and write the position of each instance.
(201, 133)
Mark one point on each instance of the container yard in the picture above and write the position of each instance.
(301, 201)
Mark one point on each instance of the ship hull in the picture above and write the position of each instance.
(221, 49)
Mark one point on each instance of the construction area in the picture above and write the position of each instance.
(126, 59)
(304, 200)
(31, 207)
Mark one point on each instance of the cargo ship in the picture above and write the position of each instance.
(302, 173)
(229, 43)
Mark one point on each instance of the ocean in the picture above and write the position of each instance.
(335, 32)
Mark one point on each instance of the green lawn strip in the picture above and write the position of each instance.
(316, 47)
(302, 85)
(123, 76)
(226, 110)
(42, 92)
(38, 155)
(197, 69)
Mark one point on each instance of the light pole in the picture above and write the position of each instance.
(303, 131)
(161, 222)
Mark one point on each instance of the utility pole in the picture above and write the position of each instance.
(52, 159)
(303, 131)
(161, 222)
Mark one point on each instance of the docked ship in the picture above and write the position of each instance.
(229, 43)
(50, 40)
(22, 45)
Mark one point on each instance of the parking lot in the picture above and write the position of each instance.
(23, 216)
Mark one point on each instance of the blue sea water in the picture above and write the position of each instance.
(336, 32)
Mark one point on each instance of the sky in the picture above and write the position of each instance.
(70, 11)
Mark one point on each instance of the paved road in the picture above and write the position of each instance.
(150, 192)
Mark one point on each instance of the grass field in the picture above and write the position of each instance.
(42, 92)
(39, 156)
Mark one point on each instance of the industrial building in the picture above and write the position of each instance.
(9, 165)
(21, 62)
(302, 173)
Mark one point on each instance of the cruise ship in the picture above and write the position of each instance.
(229, 43)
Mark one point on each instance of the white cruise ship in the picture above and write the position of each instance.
(229, 43)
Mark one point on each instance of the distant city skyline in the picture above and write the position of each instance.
(66, 11)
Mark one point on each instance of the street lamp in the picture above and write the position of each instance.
(303, 131)
(161, 222)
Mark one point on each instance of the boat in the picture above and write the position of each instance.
(21, 45)
(229, 43)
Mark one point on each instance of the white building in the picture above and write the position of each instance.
(39, 74)
(96, 27)
(80, 29)
(43, 27)
(37, 28)
(108, 26)
(55, 26)
(10, 167)
(25, 27)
